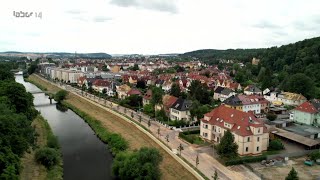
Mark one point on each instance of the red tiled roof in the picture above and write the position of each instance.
(240, 120)
(101, 83)
(134, 91)
(307, 107)
(169, 101)
(81, 79)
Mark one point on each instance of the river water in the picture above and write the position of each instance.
(85, 157)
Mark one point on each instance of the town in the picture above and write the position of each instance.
(201, 104)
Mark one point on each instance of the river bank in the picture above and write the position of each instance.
(30, 168)
(169, 167)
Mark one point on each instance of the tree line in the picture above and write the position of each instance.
(16, 115)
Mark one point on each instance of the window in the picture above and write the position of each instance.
(248, 139)
(258, 130)
(257, 148)
(258, 139)
(247, 149)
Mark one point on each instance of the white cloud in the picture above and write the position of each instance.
(156, 26)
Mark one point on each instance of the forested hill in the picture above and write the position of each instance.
(207, 55)
(299, 57)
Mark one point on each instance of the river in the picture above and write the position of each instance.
(85, 157)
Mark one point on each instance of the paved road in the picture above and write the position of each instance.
(207, 163)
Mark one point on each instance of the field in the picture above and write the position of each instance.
(170, 168)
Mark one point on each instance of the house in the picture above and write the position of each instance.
(226, 93)
(217, 93)
(133, 79)
(252, 89)
(122, 91)
(286, 98)
(100, 84)
(291, 99)
(167, 102)
(166, 86)
(250, 133)
(134, 92)
(147, 97)
(308, 113)
(180, 110)
(256, 104)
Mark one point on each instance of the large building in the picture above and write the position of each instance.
(249, 132)
(308, 113)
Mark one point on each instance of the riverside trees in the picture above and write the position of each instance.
(16, 115)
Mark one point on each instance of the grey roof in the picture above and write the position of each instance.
(253, 88)
(226, 91)
(316, 104)
(233, 101)
(219, 89)
(182, 104)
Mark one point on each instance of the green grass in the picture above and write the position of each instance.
(116, 143)
(193, 138)
(36, 84)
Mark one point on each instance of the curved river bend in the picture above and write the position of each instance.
(85, 157)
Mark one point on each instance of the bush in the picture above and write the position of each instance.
(275, 145)
(271, 116)
(52, 142)
(117, 143)
(47, 157)
(60, 95)
(242, 160)
(314, 155)
(141, 164)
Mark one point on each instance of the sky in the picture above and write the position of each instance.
(154, 26)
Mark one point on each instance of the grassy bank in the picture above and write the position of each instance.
(116, 143)
(33, 170)
(136, 139)
(40, 86)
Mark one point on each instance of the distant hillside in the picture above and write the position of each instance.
(65, 54)
(207, 55)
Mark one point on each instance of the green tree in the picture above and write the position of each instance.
(293, 175)
(141, 164)
(47, 157)
(157, 94)
(199, 92)
(197, 110)
(227, 148)
(271, 116)
(299, 83)
(141, 84)
(215, 177)
(175, 90)
(275, 145)
(149, 109)
(60, 95)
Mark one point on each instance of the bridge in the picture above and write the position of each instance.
(44, 105)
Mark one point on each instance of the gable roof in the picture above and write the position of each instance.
(168, 100)
(252, 88)
(226, 91)
(307, 107)
(219, 89)
(240, 121)
(134, 92)
(182, 104)
(101, 82)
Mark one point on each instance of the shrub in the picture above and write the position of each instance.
(47, 157)
(275, 144)
(249, 159)
(271, 116)
(60, 95)
(314, 155)
(52, 142)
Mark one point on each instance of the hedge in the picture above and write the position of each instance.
(242, 160)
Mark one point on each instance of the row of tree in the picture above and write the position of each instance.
(16, 115)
